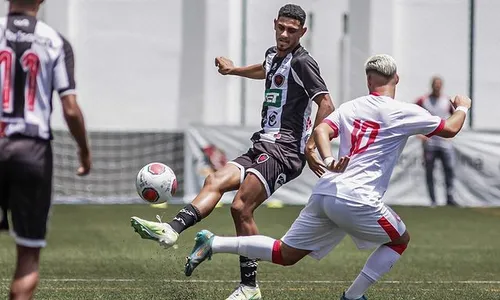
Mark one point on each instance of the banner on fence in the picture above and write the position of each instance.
(477, 168)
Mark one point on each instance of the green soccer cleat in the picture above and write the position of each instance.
(156, 231)
(201, 251)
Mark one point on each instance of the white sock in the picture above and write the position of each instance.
(379, 263)
(254, 247)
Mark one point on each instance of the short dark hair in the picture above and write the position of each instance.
(24, 2)
(294, 12)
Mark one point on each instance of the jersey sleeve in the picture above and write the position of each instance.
(333, 120)
(414, 119)
(64, 71)
(307, 74)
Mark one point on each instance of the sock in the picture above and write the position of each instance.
(248, 271)
(187, 217)
(379, 263)
(254, 247)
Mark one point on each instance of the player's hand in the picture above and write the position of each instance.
(225, 65)
(340, 166)
(460, 100)
(85, 163)
(314, 163)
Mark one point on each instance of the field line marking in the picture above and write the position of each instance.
(263, 281)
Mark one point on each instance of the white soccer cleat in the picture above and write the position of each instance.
(160, 232)
(243, 292)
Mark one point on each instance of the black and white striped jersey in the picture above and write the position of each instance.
(35, 60)
(292, 82)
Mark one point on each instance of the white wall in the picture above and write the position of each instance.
(149, 64)
(127, 62)
(487, 65)
(431, 39)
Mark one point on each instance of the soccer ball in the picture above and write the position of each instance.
(156, 183)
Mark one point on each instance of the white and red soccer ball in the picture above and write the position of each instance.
(156, 183)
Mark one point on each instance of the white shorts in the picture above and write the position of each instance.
(326, 220)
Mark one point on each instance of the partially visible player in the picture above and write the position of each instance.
(373, 131)
(35, 60)
(279, 151)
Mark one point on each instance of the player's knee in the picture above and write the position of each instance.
(240, 211)
(401, 243)
(289, 261)
(213, 182)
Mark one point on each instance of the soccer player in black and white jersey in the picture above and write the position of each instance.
(35, 60)
(280, 149)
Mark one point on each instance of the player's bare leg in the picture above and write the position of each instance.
(26, 275)
(378, 264)
(222, 181)
(251, 195)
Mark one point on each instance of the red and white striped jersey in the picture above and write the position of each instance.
(35, 60)
(373, 131)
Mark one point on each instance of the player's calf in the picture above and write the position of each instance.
(378, 264)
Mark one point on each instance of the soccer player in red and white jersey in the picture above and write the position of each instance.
(35, 61)
(347, 200)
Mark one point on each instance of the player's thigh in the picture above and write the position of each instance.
(313, 230)
(367, 225)
(31, 193)
(272, 173)
(225, 179)
(237, 168)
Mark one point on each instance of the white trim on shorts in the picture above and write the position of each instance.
(30, 243)
(262, 179)
(242, 170)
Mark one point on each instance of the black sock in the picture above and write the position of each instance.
(248, 269)
(187, 217)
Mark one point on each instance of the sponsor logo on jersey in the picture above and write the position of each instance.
(281, 180)
(273, 98)
(22, 22)
(273, 118)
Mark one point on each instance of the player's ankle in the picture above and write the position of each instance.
(185, 218)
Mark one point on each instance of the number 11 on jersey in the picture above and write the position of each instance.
(31, 65)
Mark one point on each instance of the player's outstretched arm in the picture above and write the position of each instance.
(455, 122)
(76, 124)
(226, 67)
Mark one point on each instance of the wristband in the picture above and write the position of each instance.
(462, 108)
(328, 161)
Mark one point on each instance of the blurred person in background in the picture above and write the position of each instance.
(437, 147)
(280, 149)
(35, 61)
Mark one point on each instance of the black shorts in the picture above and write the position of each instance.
(26, 187)
(272, 172)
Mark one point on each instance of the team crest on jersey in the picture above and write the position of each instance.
(281, 180)
(262, 158)
(278, 80)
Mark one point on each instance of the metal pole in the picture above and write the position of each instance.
(472, 5)
(243, 95)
